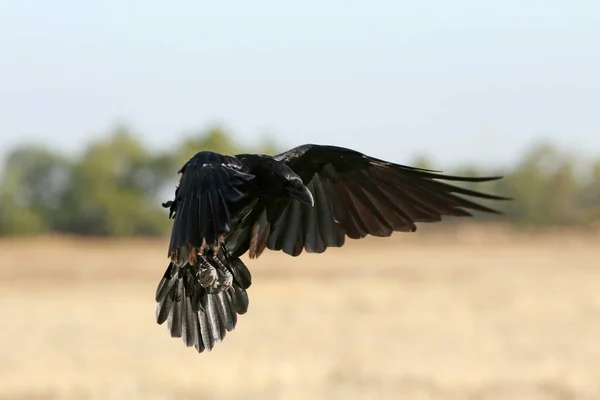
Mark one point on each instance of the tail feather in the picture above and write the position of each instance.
(240, 272)
(217, 327)
(233, 317)
(239, 298)
(207, 339)
(190, 328)
(174, 321)
(224, 309)
(201, 316)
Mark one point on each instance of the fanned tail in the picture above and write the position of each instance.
(198, 309)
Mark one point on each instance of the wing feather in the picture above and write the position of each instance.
(209, 186)
(355, 196)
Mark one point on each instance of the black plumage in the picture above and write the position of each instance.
(308, 199)
(202, 314)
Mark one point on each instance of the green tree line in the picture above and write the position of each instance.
(115, 187)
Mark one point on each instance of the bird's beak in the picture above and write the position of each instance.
(301, 193)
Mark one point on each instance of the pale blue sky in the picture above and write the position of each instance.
(390, 78)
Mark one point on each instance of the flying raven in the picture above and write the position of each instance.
(308, 198)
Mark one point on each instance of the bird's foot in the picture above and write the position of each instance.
(208, 276)
(214, 274)
(225, 280)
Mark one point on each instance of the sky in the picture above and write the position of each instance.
(460, 81)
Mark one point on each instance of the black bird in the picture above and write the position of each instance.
(308, 198)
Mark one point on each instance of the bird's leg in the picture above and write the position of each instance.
(212, 272)
(207, 274)
(225, 277)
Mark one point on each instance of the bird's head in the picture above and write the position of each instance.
(296, 189)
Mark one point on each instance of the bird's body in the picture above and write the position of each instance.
(306, 199)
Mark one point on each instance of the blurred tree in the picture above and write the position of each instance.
(558, 200)
(114, 189)
(423, 162)
(526, 184)
(117, 185)
(589, 198)
(268, 146)
(212, 139)
(33, 189)
(216, 138)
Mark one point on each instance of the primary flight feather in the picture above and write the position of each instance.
(306, 199)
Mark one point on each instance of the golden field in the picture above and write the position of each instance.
(470, 313)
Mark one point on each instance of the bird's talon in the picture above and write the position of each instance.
(208, 276)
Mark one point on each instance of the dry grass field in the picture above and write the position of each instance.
(473, 313)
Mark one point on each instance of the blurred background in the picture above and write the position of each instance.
(101, 103)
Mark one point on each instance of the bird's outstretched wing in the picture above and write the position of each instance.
(210, 183)
(355, 196)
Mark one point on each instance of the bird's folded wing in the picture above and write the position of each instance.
(210, 183)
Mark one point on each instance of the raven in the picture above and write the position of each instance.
(308, 198)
